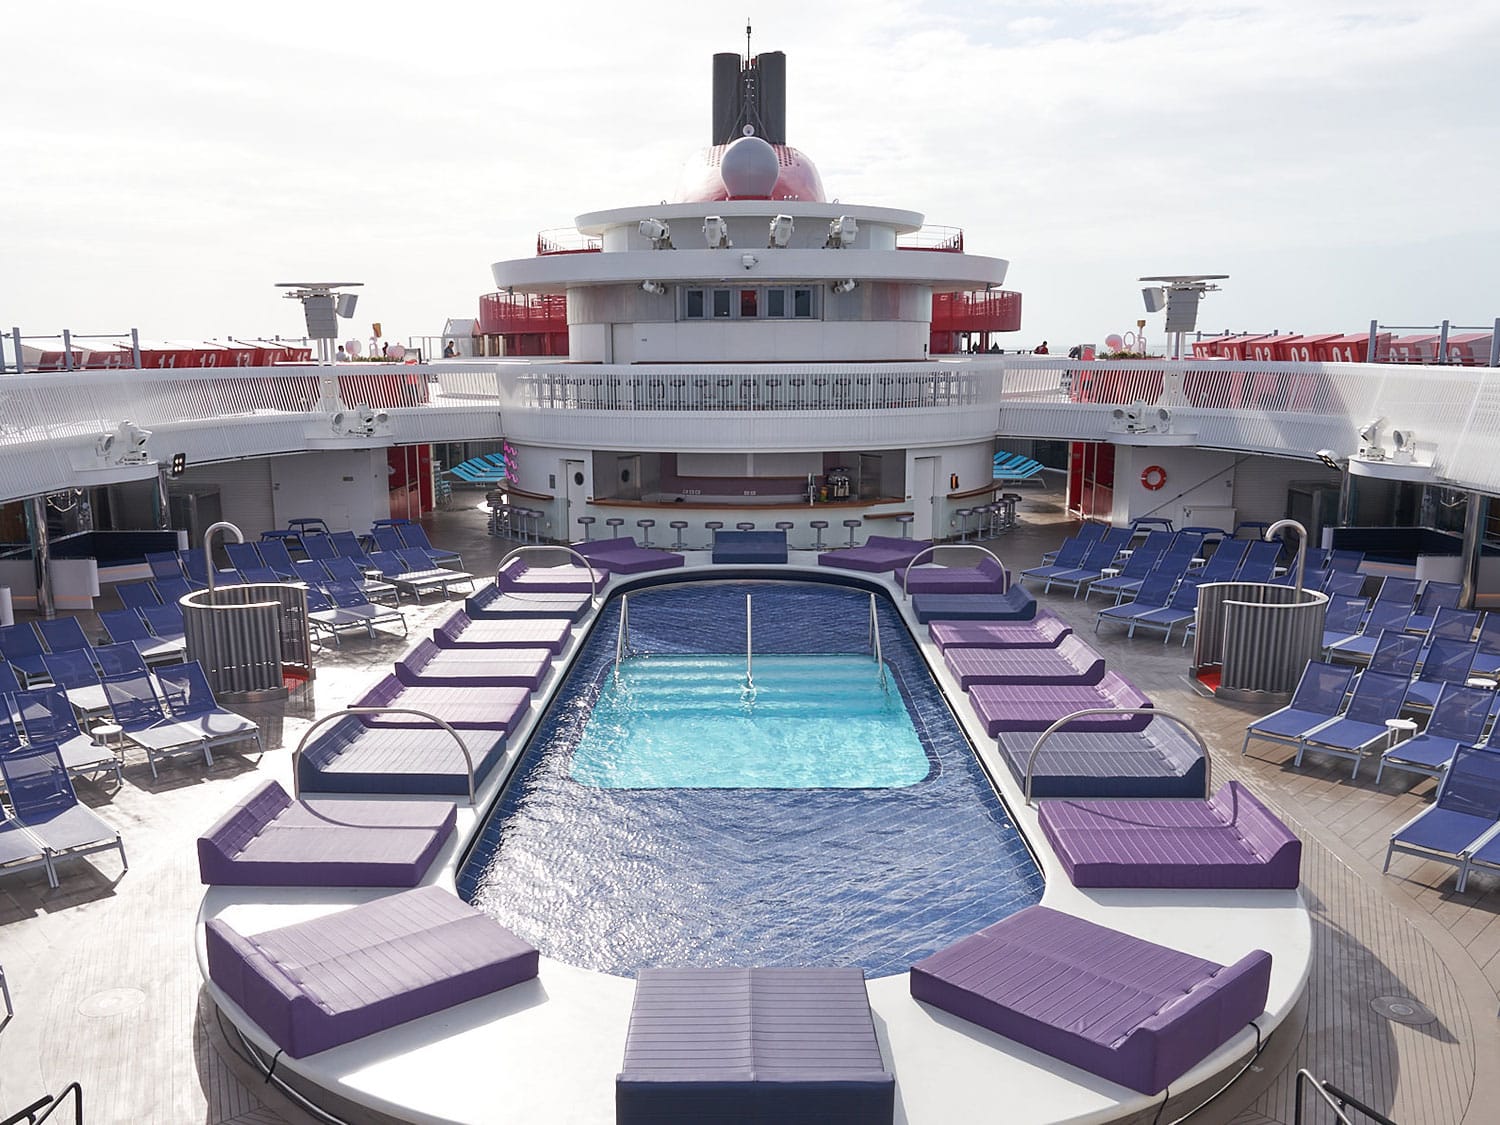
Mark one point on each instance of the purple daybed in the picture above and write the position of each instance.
(1071, 662)
(1230, 840)
(1159, 761)
(1128, 1010)
(1043, 631)
(1004, 707)
(879, 553)
(623, 556)
(463, 708)
(334, 979)
(490, 603)
(568, 579)
(460, 631)
(349, 756)
(270, 840)
(747, 1046)
(989, 577)
(474, 667)
(749, 547)
(1016, 604)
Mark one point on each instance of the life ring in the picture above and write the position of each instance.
(1153, 477)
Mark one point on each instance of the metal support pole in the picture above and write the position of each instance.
(161, 507)
(1475, 517)
(41, 555)
(1374, 332)
(67, 350)
(135, 348)
(1494, 346)
(15, 338)
(1346, 495)
(1443, 343)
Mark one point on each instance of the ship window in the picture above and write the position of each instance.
(802, 302)
(694, 309)
(721, 302)
(749, 302)
(776, 302)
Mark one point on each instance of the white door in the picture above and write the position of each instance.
(924, 497)
(577, 499)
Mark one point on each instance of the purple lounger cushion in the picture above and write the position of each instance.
(1230, 840)
(1015, 604)
(349, 756)
(460, 631)
(751, 1046)
(623, 556)
(473, 667)
(1004, 707)
(269, 840)
(334, 979)
(568, 579)
(463, 708)
(879, 553)
(490, 602)
(1071, 662)
(988, 577)
(1128, 1010)
(1045, 631)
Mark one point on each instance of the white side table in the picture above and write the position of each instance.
(111, 735)
(1480, 682)
(1398, 730)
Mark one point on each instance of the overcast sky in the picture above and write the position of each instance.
(165, 162)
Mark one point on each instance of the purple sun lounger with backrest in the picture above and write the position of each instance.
(878, 554)
(1457, 719)
(552, 579)
(1158, 761)
(741, 1046)
(427, 664)
(1461, 820)
(1377, 697)
(459, 631)
(1071, 662)
(463, 708)
(1029, 707)
(350, 756)
(491, 603)
(333, 979)
(270, 840)
(1046, 630)
(1133, 1012)
(1229, 840)
(623, 556)
(1317, 700)
(988, 577)
(1016, 604)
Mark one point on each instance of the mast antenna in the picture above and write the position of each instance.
(747, 41)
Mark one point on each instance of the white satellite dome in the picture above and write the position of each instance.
(749, 168)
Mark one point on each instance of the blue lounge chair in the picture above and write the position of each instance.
(43, 802)
(259, 574)
(1462, 820)
(1387, 618)
(1434, 596)
(1225, 562)
(1342, 619)
(171, 591)
(415, 535)
(165, 621)
(164, 564)
(349, 597)
(1487, 657)
(125, 626)
(76, 675)
(139, 712)
(137, 595)
(19, 851)
(1445, 662)
(194, 567)
(1401, 591)
(1453, 625)
(191, 702)
(63, 634)
(1140, 564)
(312, 572)
(125, 657)
(243, 556)
(1182, 609)
(1154, 593)
(22, 650)
(387, 538)
(1259, 564)
(347, 544)
(1457, 719)
(1396, 654)
(278, 558)
(347, 570)
(1349, 561)
(1343, 582)
(1069, 556)
(47, 716)
(318, 546)
(1377, 697)
(1317, 700)
(1087, 532)
(1095, 561)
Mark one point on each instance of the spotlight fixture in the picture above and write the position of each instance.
(748, 261)
(716, 233)
(781, 231)
(179, 464)
(658, 232)
(841, 232)
(1329, 458)
(848, 285)
(1403, 445)
(126, 446)
(653, 287)
(1370, 432)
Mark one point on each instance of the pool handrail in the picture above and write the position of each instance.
(302, 743)
(1301, 562)
(932, 550)
(515, 551)
(1208, 785)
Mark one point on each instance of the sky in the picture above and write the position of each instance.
(166, 163)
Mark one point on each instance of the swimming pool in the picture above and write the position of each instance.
(619, 878)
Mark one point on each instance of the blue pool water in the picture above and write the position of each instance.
(621, 878)
(823, 721)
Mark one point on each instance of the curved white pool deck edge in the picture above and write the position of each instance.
(549, 1049)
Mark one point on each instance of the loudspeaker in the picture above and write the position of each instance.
(1155, 298)
(346, 304)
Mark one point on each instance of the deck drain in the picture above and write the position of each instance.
(1403, 1009)
(111, 1002)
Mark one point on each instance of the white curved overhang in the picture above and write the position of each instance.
(943, 270)
(597, 222)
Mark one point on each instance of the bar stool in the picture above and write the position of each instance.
(534, 518)
(678, 526)
(993, 513)
(713, 531)
(614, 523)
(905, 522)
(851, 525)
(784, 526)
(818, 526)
(645, 526)
(963, 515)
(744, 525)
(1010, 500)
(588, 527)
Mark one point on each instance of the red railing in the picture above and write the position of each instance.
(565, 240)
(996, 310)
(502, 314)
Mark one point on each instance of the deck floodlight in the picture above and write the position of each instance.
(653, 287)
(716, 232)
(848, 285)
(127, 445)
(748, 261)
(841, 232)
(1370, 432)
(781, 231)
(658, 232)
(1403, 445)
(1329, 458)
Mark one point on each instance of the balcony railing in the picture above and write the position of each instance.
(949, 239)
(565, 240)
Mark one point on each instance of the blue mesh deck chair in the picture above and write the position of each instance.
(1435, 596)
(1402, 591)
(1090, 569)
(43, 802)
(22, 650)
(1140, 564)
(1487, 658)
(47, 716)
(165, 621)
(1377, 697)
(347, 570)
(1154, 593)
(1345, 560)
(1342, 618)
(170, 591)
(75, 674)
(349, 597)
(1225, 562)
(1457, 719)
(1464, 818)
(1068, 556)
(164, 564)
(1388, 618)
(1317, 700)
(138, 711)
(415, 535)
(243, 556)
(1453, 625)
(116, 660)
(191, 701)
(1259, 563)
(278, 558)
(1445, 662)
(63, 634)
(125, 626)
(318, 546)
(1182, 609)
(1396, 654)
(137, 595)
(1087, 532)
(1346, 582)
